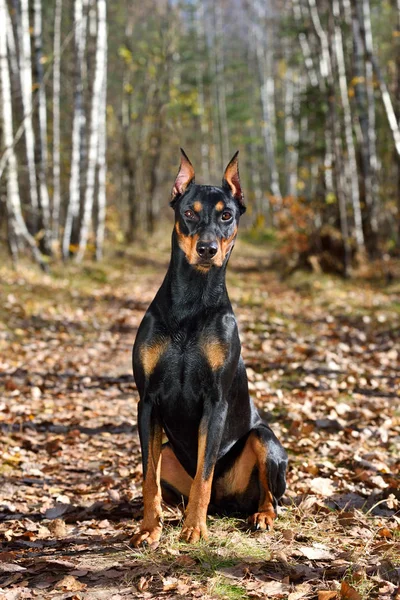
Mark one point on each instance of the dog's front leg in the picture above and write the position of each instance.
(209, 440)
(150, 432)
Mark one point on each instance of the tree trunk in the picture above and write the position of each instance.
(351, 163)
(200, 64)
(41, 140)
(77, 125)
(17, 224)
(220, 86)
(102, 164)
(94, 126)
(26, 91)
(56, 120)
(267, 92)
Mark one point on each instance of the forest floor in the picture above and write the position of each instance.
(323, 361)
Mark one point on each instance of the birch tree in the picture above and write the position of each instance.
(219, 82)
(56, 119)
(41, 141)
(351, 163)
(98, 83)
(16, 220)
(77, 127)
(267, 92)
(200, 67)
(102, 164)
(26, 91)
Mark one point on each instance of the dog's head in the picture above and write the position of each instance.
(207, 217)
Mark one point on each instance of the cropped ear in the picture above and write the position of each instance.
(184, 178)
(232, 181)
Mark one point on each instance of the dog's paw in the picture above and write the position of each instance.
(192, 534)
(261, 521)
(146, 538)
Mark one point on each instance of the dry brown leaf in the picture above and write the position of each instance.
(301, 591)
(170, 583)
(143, 583)
(328, 595)
(347, 592)
(316, 552)
(385, 532)
(70, 584)
(322, 486)
(273, 589)
(57, 528)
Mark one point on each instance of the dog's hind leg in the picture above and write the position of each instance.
(255, 481)
(175, 481)
(271, 463)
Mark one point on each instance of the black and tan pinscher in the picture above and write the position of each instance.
(192, 381)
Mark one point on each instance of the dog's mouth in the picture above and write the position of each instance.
(204, 265)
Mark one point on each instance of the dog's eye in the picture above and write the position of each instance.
(226, 216)
(190, 214)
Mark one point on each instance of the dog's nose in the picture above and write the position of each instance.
(207, 250)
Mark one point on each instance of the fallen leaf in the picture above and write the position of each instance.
(322, 486)
(327, 595)
(273, 589)
(70, 584)
(316, 552)
(58, 528)
(10, 568)
(347, 592)
(170, 583)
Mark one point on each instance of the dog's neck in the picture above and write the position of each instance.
(190, 289)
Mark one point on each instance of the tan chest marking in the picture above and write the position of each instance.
(150, 355)
(215, 352)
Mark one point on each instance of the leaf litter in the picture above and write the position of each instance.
(323, 364)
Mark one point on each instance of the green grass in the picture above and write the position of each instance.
(222, 588)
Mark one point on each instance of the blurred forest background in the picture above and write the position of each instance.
(97, 97)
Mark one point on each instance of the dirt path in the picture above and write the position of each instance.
(324, 366)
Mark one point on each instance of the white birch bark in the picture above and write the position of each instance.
(56, 119)
(365, 97)
(325, 59)
(267, 92)
(204, 129)
(94, 126)
(42, 110)
(220, 87)
(12, 47)
(351, 163)
(292, 112)
(17, 223)
(102, 164)
(77, 125)
(387, 101)
(305, 46)
(325, 68)
(26, 91)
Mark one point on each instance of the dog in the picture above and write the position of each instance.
(192, 380)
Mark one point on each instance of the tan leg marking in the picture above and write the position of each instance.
(151, 526)
(197, 206)
(215, 352)
(173, 473)
(150, 355)
(195, 525)
(237, 479)
(264, 518)
(220, 206)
